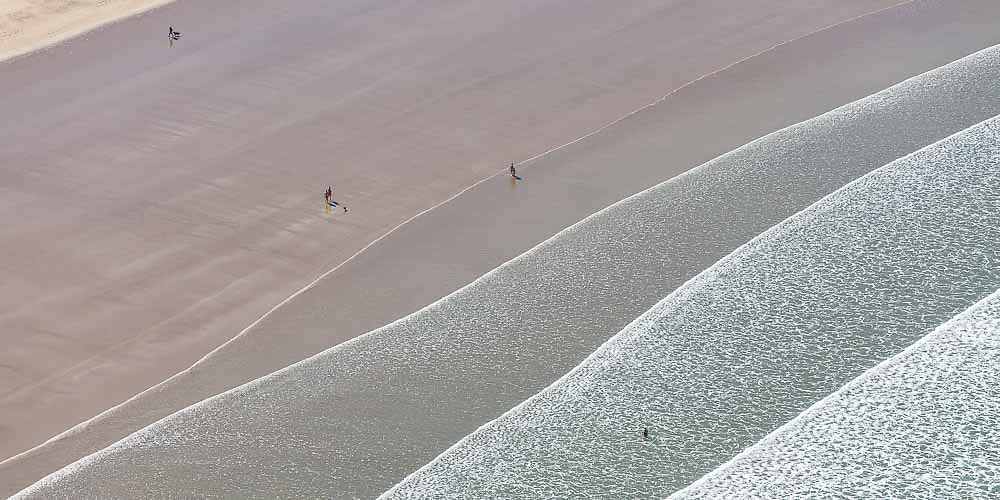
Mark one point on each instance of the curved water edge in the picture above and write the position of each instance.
(748, 344)
(583, 138)
(402, 394)
(921, 424)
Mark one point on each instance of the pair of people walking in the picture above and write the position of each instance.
(328, 194)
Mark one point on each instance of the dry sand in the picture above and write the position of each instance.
(425, 261)
(27, 25)
(156, 200)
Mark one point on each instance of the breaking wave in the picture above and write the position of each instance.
(749, 344)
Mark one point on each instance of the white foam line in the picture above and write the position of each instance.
(87, 422)
(94, 456)
(700, 277)
(860, 379)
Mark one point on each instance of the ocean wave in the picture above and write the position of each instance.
(922, 424)
(753, 341)
(356, 419)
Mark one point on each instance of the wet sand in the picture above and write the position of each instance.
(158, 201)
(27, 25)
(357, 418)
(772, 92)
(747, 345)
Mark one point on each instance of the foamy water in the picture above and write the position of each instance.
(922, 424)
(358, 418)
(747, 345)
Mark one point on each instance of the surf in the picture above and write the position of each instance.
(400, 395)
(753, 341)
(918, 424)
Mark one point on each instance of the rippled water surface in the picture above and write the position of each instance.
(749, 344)
(785, 322)
(921, 425)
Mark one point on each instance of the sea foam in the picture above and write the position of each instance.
(750, 343)
(356, 419)
(921, 424)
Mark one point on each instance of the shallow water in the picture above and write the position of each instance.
(749, 344)
(922, 424)
(358, 418)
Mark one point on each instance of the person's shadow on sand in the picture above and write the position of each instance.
(513, 173)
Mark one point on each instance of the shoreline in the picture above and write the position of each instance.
(146, 289)
(334, 370)
(381, 252)
(61, 27)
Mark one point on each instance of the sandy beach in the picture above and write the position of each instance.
(357, 418)
(192, 178)
(189, 176)
(27, 25)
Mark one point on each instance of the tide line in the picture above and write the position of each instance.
(83, 425)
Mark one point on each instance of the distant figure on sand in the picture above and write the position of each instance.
(513, 171)
(328, 194)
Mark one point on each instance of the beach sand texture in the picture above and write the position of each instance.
(494, 104)
(27, 25)
(398, 396)
(161, 198)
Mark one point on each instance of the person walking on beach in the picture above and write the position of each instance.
(513, 171)
(329, 194)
